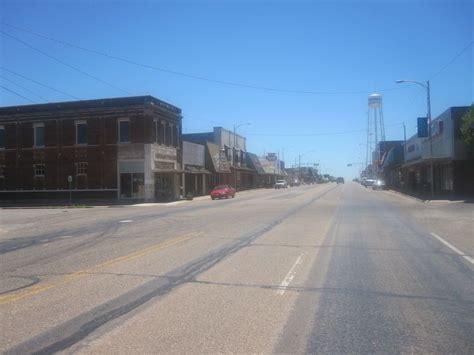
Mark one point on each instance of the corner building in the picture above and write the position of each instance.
(124, 148)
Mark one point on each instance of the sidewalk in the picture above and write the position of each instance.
(90, 203)
(436, 199)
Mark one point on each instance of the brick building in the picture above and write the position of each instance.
(108, 148)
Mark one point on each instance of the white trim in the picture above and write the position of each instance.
(36, 125)
(34, 170)
(77, 168)
(118, 130)
(77, 123)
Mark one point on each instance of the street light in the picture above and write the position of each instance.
(426, 85)
(299, 160)
(234, 149)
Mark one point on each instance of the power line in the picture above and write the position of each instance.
(316, 134)
(17, 94)
(198, 77)
(24, 88)
(39, 83)
(452, 60)
(64, 63)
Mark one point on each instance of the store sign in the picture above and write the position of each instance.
(165, 153)
(422, 127)
(161, 165)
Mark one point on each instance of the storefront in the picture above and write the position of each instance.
(131, 179)
(164, 173)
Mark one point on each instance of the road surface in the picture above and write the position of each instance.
(324, 268)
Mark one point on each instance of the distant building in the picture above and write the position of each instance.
(196, 176)
(229, 159)
(127, 148)
(453, 169)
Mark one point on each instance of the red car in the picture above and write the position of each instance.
(222, 191)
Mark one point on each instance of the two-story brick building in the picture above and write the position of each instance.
(108, 148)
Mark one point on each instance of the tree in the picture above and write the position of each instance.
(467, 131)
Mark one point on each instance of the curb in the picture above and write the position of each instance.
(407, 196)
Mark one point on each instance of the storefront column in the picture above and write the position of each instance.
(149, 175)
(180, 186)
(203, 184)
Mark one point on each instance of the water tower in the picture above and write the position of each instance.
(375, 129)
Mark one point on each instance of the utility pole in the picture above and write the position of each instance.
(234, 151)
(430, 138)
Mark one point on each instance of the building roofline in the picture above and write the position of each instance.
(87, 104)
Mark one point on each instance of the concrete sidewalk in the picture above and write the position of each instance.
(440, 199)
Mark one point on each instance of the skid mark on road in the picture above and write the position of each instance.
(41, 287)
(290, 275)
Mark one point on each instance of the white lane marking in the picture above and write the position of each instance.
(126, 221)
(467, 257)
(290, 276)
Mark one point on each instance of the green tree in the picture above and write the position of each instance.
(467, 131)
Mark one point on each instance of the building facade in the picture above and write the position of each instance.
(453, 169)
(196, 176)
(228, 160)
(126, 148)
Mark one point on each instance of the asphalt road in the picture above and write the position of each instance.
(325, 268)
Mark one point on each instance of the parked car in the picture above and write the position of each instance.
(281, 184)
(295, 182)
(368, 182)
(340, 180)
(222, 191)
(379, 184)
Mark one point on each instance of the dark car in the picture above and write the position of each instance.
(222, 191)
(340, 180)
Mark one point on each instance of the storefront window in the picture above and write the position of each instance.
(132, 185)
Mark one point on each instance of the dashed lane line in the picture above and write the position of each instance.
(289, 276)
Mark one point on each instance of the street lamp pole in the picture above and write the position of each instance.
(299, 161)
(428, 101)
(234, 150)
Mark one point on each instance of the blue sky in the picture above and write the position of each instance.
(339, 50)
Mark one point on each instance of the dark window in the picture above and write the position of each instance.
(171, 141)
(175, 136)
(39, 135)
(155, 131)
(162, 127)
(2, 137)
(124, 131)
(81, 133)
(167, 134)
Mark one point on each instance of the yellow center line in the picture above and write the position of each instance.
(39, 288)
